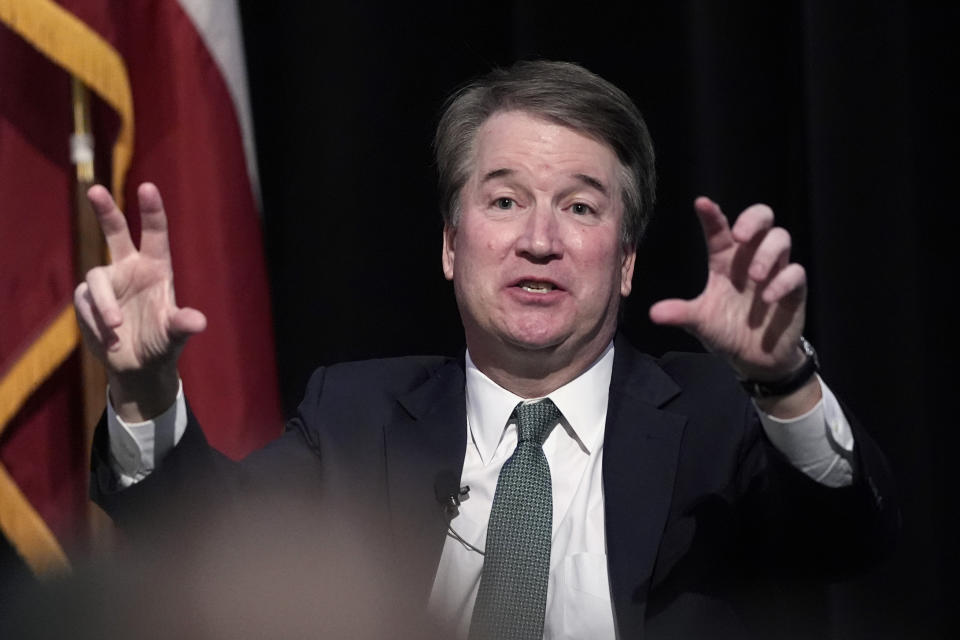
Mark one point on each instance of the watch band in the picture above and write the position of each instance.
(796, 379)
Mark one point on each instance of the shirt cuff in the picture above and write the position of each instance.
(819, 443)
(137, 448)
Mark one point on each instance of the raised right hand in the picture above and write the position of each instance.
(128, 312)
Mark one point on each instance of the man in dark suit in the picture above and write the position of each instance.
(659, 484)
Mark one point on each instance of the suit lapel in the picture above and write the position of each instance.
(640, 455)
(428, 440)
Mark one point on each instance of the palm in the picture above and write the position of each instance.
(752, 307)
(145, 296)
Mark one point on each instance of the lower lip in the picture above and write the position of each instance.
(550, 297)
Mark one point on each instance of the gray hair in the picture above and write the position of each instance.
(561, 92)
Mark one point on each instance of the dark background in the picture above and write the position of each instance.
(840, 115)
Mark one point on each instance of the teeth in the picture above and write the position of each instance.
(536, 287)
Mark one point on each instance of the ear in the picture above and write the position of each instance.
(626, 270)
(446, 257)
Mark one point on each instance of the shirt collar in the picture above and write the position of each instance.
(582, 401)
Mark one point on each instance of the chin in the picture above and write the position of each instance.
(536, 340)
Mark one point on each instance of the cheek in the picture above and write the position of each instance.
(577, 242)
(600, 257)
(604, 264)
(485, 243)
(478, 258)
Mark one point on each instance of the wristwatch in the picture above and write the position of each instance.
(793, 381)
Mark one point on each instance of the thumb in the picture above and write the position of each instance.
(672, 312)
(186, 322)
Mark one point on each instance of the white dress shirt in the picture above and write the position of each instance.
(579, 605)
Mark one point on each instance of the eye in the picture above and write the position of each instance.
(580, 208)
(503, 203)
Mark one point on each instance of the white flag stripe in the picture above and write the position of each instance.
(218, 24)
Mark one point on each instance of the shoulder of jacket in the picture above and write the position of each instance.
(379, 375)
(694, 370)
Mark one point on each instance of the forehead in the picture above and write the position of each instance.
(521, 141)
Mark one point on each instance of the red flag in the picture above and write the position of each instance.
(179, 127)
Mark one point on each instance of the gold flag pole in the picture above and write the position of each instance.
(89, 246)
(89, 252)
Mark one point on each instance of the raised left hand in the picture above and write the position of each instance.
(752, 308)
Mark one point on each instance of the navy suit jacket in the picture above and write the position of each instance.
(699, 507)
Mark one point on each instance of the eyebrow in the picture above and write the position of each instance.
(591, 181)
(582, 177)
(497, 173)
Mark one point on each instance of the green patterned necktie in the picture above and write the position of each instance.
(512, 599)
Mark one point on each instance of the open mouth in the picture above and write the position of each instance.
(536, 286)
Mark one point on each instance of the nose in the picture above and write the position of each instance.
(540, 236)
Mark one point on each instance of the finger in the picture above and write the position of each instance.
(112, 221)
(773, 250)
(716, 229)
(186, 322)
(83, 303)
(754, 220)
(98, 334)
(673, 312)
(154, 241)
(104, 297)
(789, 283)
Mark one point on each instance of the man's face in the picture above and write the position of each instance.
(537, 258)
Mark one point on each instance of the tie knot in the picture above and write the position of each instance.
(535, 420)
